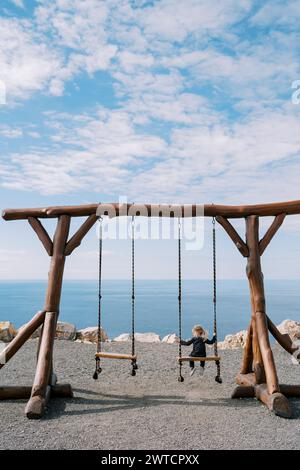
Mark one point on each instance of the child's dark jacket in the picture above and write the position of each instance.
(199, 348)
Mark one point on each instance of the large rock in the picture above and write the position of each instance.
(147, 337)
(141, 337)
(7, 331)
(234, 341)
(123, 337)
(290, 327)
(90, 335)
(170, 339)
(65, 331)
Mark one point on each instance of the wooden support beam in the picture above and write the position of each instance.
(42, 234)
(290, 390)
(247, 364)
(258, 365)
(40, 392)
(263, 382)
(247, 380)
(77, 238)
(243, 391)
(248, 391)
(22, 392)
(284, 340)
(237, 240)
(275, 402)
(41, 389)
(256, 283)
(23, 335)
(57, 264)
(257, 362)
(271, 232)
(191, 210)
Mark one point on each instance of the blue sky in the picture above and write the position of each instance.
(158, 101)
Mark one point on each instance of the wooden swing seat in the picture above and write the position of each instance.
(108, 355)
(199, 359)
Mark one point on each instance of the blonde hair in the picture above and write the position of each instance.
(199, 331)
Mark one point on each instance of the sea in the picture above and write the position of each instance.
(156, 304)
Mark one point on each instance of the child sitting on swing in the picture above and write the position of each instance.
(198, 340)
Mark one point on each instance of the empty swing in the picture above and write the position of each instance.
(215, 358)
(108, 355)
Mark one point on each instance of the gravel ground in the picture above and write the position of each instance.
(149, 411)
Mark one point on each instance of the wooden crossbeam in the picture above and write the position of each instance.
(188, 210)
(271, 232)
(237, 240)
(42, 234)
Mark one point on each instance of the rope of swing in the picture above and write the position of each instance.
(180, 377)
(133, 363)
(99, 329)
(218, 376)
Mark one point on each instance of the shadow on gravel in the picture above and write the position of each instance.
(107, 403)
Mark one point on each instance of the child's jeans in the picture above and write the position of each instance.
(192, 364)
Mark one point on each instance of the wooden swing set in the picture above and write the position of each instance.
(258, 376)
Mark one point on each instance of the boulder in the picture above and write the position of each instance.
(123, 337)
(170, 339)
(290, 327)
(235, 341)
(7, 331)
(65, 331)
(141, 337)
(147, 337)
(90, 335)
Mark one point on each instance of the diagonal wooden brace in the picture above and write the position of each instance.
(23, 335)
(271, 232)
(42, 234)
(237, 240)
(76, 240)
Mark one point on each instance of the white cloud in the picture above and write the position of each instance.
(165, 137)
(10, 132)
(250, 160)
(167, 45)
(278, 13)
(79, 27)
(101, 151)
(18, 3)
(173, 20)
(26, 63)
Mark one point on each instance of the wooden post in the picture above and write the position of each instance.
(260, 325)
(263, 382)
(247, 364)
(41, 389)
